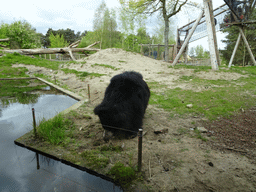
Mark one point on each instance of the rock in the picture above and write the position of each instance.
(189, 105)
(161, 131)
(202, 129)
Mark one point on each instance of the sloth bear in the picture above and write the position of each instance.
(124, 105)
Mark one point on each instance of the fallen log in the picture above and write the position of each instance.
(48, 51)
(74, 45)
(69, 50)
(3, 46)
(4, 40)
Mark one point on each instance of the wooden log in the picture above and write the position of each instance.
(247, 45)
(47, 51)
(51, 50)
(211, 35)
(74, 45)
(92, 45)
(187, 39)
(71, 55)
(4, 40)
(3, 46)
(234, 52)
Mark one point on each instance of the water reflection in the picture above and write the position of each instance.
(18, 166)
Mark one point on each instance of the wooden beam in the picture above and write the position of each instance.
(241, 23)
(211, 35)
(234, 52)
(214, 34)
(155, 45)
(247, 45)
(204, 16)
(188, 38)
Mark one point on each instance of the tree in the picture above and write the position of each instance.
(130, 22)
(21, 35)
(167, 8)
(199, 51)
(192, 52)
(57, 41)
(68, 34)
(3, 34)
(242, 56)
(105, 26)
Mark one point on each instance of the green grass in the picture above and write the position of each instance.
(11, 88)
(199, 136)
(122, 61)
(122, 174)
(106, 66)
(95, 159)
(196, 68)
(81, 74)
(55, 130)
(111, 148)
(8, 60)
(219, 98)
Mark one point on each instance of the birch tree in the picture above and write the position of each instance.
(166, 8)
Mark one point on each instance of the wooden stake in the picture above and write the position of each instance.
(235, 49)
(37, 161)
(34, 121)
(89, 95)
(139, 150)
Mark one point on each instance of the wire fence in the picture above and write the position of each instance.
(61, 57)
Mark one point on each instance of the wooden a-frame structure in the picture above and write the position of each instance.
(212, 39)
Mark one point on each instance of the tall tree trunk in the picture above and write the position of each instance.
(166, 42)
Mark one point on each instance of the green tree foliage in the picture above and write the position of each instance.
(68, 34)
(165, 8)
(242, 56)
(105, 27)
(3, 34)
(57, 41)
(21, 35)
(199, 52)
(130, 23)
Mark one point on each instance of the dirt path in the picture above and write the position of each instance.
(175, 160)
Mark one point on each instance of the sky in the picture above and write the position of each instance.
(78, 15)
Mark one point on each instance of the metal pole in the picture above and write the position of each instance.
(34, 121)
(139, 149)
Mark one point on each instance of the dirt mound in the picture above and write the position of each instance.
(110, 54)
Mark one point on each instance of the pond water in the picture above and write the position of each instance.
(18, 166)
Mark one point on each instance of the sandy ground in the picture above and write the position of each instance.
(174, 160)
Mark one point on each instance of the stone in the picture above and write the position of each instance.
(189, 105)
(202, 129)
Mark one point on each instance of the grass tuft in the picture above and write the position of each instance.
(55, 130)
